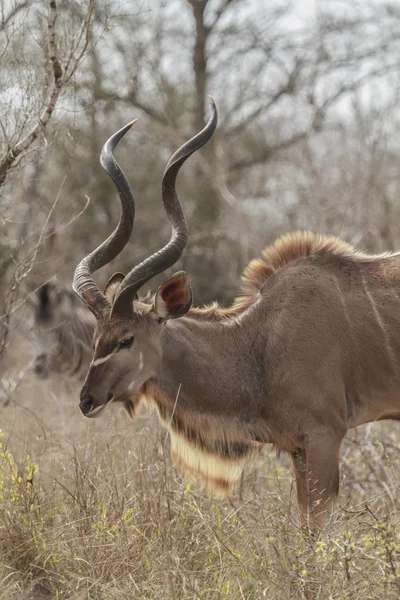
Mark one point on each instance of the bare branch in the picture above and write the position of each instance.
(60, 78)
(7, 161)
(83, 32)
(13, 13)
(132, 98)
(265, 154)
(286, 88)
(221, 11)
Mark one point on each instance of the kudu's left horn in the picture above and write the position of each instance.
(83, 283)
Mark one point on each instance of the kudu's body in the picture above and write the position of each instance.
(311, 349)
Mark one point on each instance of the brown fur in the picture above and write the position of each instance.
(211, 434)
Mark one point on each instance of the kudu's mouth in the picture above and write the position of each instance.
(90, 411)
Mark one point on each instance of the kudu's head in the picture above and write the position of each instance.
(127, 346)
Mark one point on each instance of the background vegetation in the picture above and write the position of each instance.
(308, 101)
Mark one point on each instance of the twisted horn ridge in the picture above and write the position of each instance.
(83, 283)
(172, 251)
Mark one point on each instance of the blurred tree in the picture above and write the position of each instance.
(282, 78)
(307, 103)
(31, 94)
(36, 65)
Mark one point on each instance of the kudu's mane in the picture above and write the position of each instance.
(285, 250)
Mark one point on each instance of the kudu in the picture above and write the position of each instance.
(62, 333)
(309, 350)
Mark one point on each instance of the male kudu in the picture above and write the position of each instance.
(310, 349)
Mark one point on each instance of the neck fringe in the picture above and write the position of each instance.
(215, 449)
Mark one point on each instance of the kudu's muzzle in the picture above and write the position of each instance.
(90, 408)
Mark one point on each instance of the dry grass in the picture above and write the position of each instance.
(94, 510)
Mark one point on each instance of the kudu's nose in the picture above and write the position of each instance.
(86, 404)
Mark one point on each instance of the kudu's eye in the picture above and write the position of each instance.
(127, 342)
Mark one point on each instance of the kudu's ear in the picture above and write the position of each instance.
(112, 286)
(173, 298)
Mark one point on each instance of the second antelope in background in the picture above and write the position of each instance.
(62, 333)
(310, 349)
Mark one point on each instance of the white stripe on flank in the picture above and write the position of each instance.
(342, 300)
(103, 359)
(379, 320)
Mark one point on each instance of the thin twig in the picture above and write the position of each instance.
(10, 157)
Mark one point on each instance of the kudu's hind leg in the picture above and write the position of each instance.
(316, 469)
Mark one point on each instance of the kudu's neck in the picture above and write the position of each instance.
(205, 360)
(209, 391)
(213, 370)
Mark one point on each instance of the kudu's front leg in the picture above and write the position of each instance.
(316, 468)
